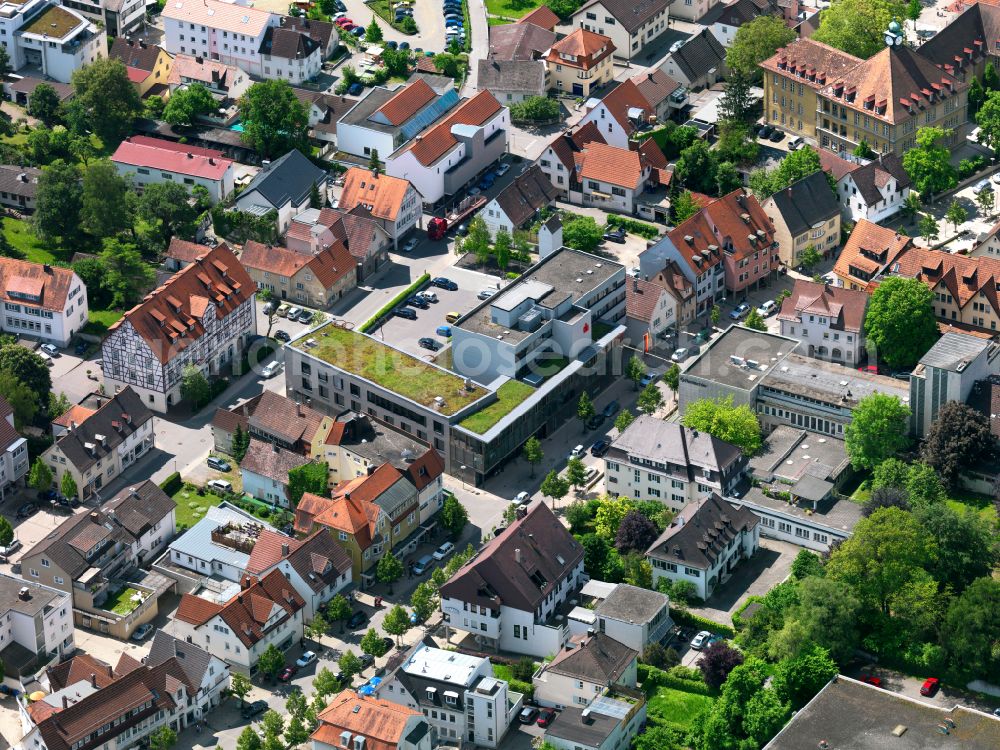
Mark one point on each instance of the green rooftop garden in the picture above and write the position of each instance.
(120, 602)
(390, 368)
(509, 395)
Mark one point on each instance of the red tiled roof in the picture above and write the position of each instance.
(586, 47)
(542, 16)
(624, 97)
(426, 469)
(615, 166)
(167, 159)
(379, 193)
(329, 266)
(845, 307)
(407, 101)
(51, 284)
(380, 722)
(641, 299)
(438, 140)
(195, 610)
(870, 248)
(75, 413)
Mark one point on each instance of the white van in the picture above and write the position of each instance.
(219, 485)
(767, 308)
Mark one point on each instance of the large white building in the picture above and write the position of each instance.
(13, 449)
(49, 38)
(234, 34)
(118, 17)
(458, 695)
(631, 24)
(515, 593)
(204, 315)
(828, 320)
(36, 625)
(41, 302)
(154, 161)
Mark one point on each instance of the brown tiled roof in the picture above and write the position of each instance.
(341, 513)
(320, 31)
(596, 659)
(655, 85)
(523, 197)
(320, 560)
(120, 417)
(273, 414)
(407, 101)
(426, 469)
(270, 549)
(616, 166)
(380, 722)
(248, 611)
(587, 47)
(169, 319)
(811, 63)
(438, 140)
(519, 41)
(631, 14)
(870, 247)
(140, 507)
(195, 610)
(49, 285)
(134, 54)
(624, 97)
(379, 193)
(270, 461)
(493, 577)
(565, 145)
(79, 669)
(542, 16)
(287, 43)
(76, 413)
(184, 251)
(329, 266)
(701, 532)
(835, 165)
(201, 69)
(641, 299)
(963, 276)
(845, 307)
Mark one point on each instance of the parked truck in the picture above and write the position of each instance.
(438, 227)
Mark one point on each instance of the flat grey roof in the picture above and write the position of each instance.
(569, 725)
(841, 515)
(851, 715)
(566, 272)
(790, 453)
(720, 361)
(811, 488)
(197, 541)
(954, 351)
(831, 383)
(39, 597)
(632, 604)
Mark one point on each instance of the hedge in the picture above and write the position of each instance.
(640, 228)
(519, 686)
(416, 285)
(738, 622)
(652, 678)
(683, 617)
(172, 484)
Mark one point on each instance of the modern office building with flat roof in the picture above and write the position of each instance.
(520, 361)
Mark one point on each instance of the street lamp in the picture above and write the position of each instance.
(462, 468)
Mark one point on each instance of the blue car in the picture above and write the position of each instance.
(486, 183)
(358, 31)
(404, 45)
(391, 44)
(444, 331)
(356, 89)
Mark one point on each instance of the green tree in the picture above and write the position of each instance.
(957, 214)
(910, 207)
(623, 420)
(187, 104)
(991, 81)
(296, 705)
(863, 150)
(798, 164)
(958, 439)
(928, 228)
(738, 102)
(967, 547)
(450, 65)
(806, 564)
(389, 570)
(635, 370)
(585, 409)
(28, 368)
(929, 163)
(720, 419)
(248, 740)
(194, 386)
(350, 665)
(810, 257)
(650, 399)
(240, 686)
(6, 532)
(857, 26)
(274, 120)
(554, 487)
(126, 275)
(44, 104)
(165, 211)
(988, 119)
(657, 737)
(68, 486)
(296, 732)
(40, 475)
(372, 643)
(396, 622)
(697, 168)
(986, 200)
(672, 377)
(106, 205)
(826, 614)
(477, 241)
(271, 661)
(798, 680)
(736, 144)
(240, 443)
(532, 452)
(755, 42)
(890, 473)
(272, 723)
(21, 398)
(312, 477)
(685, 207)
(969, 634)
(373, 33)
(535, 109)
(317, 626)
(423, 601)
(339, 610)
(576, 473)
(610, 513)
(581, 233)
(4, 63)
(374, 165)
(325, 683)
(900, 321)
(976, 97)
(57, 203)
(454, 516)
(878, 430)
(104, 101)
(501, 249)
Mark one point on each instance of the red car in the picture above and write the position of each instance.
(930, 686)
(545, 716)
(344, 22)
(288, 673)
(876, 681)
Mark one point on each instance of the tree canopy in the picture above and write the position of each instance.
(104, 101)
(878, 430)
(957, 439)
(900, 321)
(929, 163)
(857, 26)
(720, 419)
(274, 120)
(187, 104)
(755, 42)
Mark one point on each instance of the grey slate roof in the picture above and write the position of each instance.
(271, 461)
(193, 660)
(807, 202)
(522, 198)
(67, 544)
(140, 507)
(512, 75)
(110, 421)
(631, 14)
(699, 55)
(632, 604)
(12, 182)
(39, 597)
(310, 560)
(519, 41)
(701, 531)
(286, 180)
(953, 351)
(570, 726)
(287, 43)
(671, 443)
(874, 175)
(599, 658)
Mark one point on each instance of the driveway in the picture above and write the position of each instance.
(430, 24)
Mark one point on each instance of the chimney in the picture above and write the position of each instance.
(72, 425)
(650, 75)
(65, 702)
(93, 679)
(635, 284)
(517, 555)
(298, 408)
(275, 447)
(284, 550)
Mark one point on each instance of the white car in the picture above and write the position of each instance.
(50, 349)
(698, 642)
(443, 551)
(271, 369)
(429, 296)
(46, 358)
(677, 45)
(522, 497)
(294, 313)
(577, 452)
(305, 660)
(410, 245)
(767, 308)
(679, 355)
(503, 169)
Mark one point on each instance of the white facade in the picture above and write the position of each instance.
(48, 631)
(816, 333)
(709, 282)
(808, 532)
(231, 34)
(854, 206)
(129, 15)
(610, 197)
(14, 462)
(431, 499)
(724, 33)
(79, 42)
(743, 547)
(218, 189)
(28, 317)
(612, 130)
(314, 599)
(355, 138)
(596, 17)
(560, 690)
(265, 488)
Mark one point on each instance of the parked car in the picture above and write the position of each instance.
(358, 31)
(486, 293)
(595, 421)
(280, 335)
(422, 565)
(767, 308)
(27, 510)
(600, 448)
(577, 452)
(142, 632)
(796, 143)
(503, 169)
(741, 311)
(416, 301)
(528, 715)
(10, 549)
(930, 686)
(219, 464)
(680, 355)
(366, 660)
(355, 88)
(443, 551)
(294, 313)
(615, 235)
(306, 316)
(282, 311)
(452, 317)
(700, 641)
(522, 497)
(411, 245)
(428, 343)
(391, 44)
(876, 681)
(356, 620)
(253, 709)
(80, 348)
(429, 296)
(270, 370)
(50, 349)
(444, 331)
(443, 282)
(305, 660)
(545, 716)
(611, 409)
(388, 643)
(219, 485)
(287, 673)
(777, 136)
(46, 358)
(764, 131)
(981, 187)
(405, 312)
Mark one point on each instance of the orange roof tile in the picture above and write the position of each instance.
(379, 193)
(195, 610)
(329, 265)
(616, 166)
(407, 101)
(49, 284)
(438, 140)
(870, 248)
(269, 550)
(75, 413)
(380, 722)
(542, 16)
(586, 47)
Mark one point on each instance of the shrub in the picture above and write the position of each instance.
(683, 617)
(653, 678)
(172, 484)
(415, 286)
(520, 686)
(640, 228)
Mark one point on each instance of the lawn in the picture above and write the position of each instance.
(99, 321)
(191, 506)
(960, 500)
(677, 707)
(394, 370)
(509, 395)
(511, 8)
(121, 602)
(503, 672)
(21, 236)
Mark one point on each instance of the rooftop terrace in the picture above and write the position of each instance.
(390, 368)
(55, 22)
(509, 395)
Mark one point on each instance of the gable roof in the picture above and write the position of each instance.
(320, 31)
(597, 659)
(167, 157)
(511, 75)
(137, 54)
(380, 722)
(701, 531)
(381, 194)
(522, 198)
(806, 203)
(172, 316)
(271, 461)
(115, 421)
(139, 508)
(966, 39)
(641, 299)
(212, 73)
(845, 307)
(239, 19)
(329, 265)
(869, 249)
(288, 44)
(438, 140)
(699, 55)
(192, 659)
(35, 285)
(406, 101)
(519, 41)
(542, 16)
(289, 179)
(876, 175)
(548, 553)
(319, 560)
(585, 46)
(811, 63)
(184, 251)
(655, 85)
(631, 14)
(625, 97)
(836, 165)
(79, 669)
(568, 143)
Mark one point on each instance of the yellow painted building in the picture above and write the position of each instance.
(581, 62)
